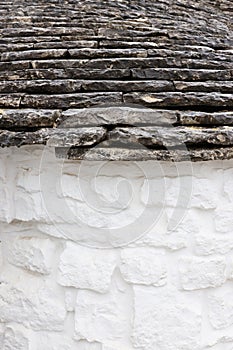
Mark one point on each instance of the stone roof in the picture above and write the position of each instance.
(118, 79)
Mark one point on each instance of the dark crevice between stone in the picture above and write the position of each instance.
(111, 127)
(188, 147)
(25, 129)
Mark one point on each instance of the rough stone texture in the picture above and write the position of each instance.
(170, 58)
(198, 273)
(129, 153)
(166, 285)
(15, 338)
(53, 137)
(220, 310)
(143, 266)
(99, 318)
(170, 137)
(223, 218)
(173, 61)
(116, 115)
(174, 322)
(77, 262)
(36, 308)
(11, 118)
(33, 254)
(208, 244)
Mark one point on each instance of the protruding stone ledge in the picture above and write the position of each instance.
(116, 115)
(28, 118)
(125, 154)
(53, 137)
(174, 136)
(179, 99)
(33, 54)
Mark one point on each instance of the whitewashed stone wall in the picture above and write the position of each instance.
(115, 256)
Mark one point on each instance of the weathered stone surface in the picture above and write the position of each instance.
(143, 266)
(37, 86)
(178, 99)
(16, 338)
(92, 54)
(106, 53)
(208, 86)
(165, 319)
(33, 254)
(11, 66)
(12, 101)
(203, 195)
(126, 154)
(220, 310)
(29, 118)
(38, 31)
(208, 244)
(86, 268)
(181, 74)
(53, 137)
(116, 115)
(36, 308)
(204, 118)
(130, 62)
(33, 54)
(224, 219)
(92, 308)
(67, 44)
(128, 86)
(172, 136)
(67, 100)
(69, 73)
(198, 273)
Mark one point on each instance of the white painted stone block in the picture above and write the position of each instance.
(16, 338)
(153, 192)
(204, 194)
(165, 319)
(86, 268)
(136, 297)
(99, 317)
(33, 254)
(224, 218)
(220, 306)
(199, 273)
(36, 308)
(143, 266)
(212, 243)
(228, 183)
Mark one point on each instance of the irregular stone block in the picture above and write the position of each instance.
(220, 308)
(11, 118)
(86, 268)
(53, 137)
(165, 319)
(143, 266)
(208, 244)
(36, 308)
(65, 101)
(100, 318)
(198, 273)
(33, 254)
(173, 136)
(116, 115)
(223, 219)
(33, 54)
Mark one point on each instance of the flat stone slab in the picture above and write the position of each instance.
(118, 79)
(53, 137)
(125, 154)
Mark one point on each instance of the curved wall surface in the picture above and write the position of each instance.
(115, 255)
